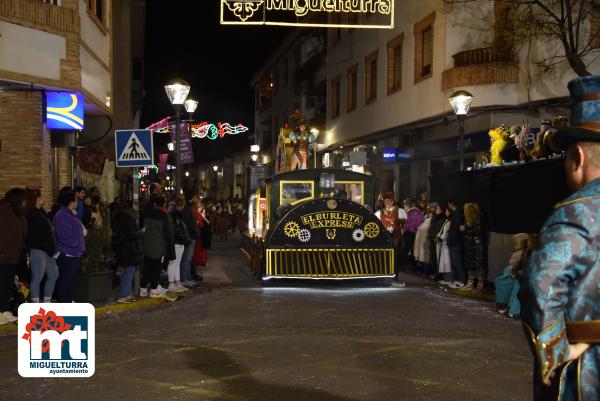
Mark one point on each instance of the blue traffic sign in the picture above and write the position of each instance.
(134, 148)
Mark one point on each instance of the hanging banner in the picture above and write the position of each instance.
(318, 13)
(187, 152)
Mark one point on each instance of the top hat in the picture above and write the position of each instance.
(585, 113)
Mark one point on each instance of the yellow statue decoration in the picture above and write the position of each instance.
(499, 140)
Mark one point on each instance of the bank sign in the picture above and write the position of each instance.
(64, 110)
(56, 340)
(317, 13)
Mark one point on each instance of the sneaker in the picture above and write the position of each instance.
(512, 316)
(457, 285)
(502, 311)
(444, 282)
(156, 294)
(143, 292)
(174, 288)
(190, 284)
(131, 298)
(162, 289)
(180, 286)
(398, 284)
(123, 301)
(9, 317)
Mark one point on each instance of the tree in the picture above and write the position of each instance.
(574, 23)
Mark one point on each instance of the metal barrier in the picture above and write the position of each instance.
(330, 263)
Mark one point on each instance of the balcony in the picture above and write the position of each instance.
(40, 15)
(484, 66)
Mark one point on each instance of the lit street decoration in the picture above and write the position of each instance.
(201, 130)
(317, 13)
(213, 131)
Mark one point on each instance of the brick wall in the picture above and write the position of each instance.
(480, 74)
(25, 157)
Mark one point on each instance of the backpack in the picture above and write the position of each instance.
(180, 230)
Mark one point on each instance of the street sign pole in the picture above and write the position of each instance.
(135, 188)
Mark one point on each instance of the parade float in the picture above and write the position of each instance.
(309, 223)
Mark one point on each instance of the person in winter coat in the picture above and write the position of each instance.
(474, 245)
(414, 219)
(203, 243)
(438, 219)
(189, 219)
(12, 239)
(158, 244)
(443, 251)
(128, 247)
(70, 243)
(455, 243)
(41, 243)
(422, 249)
(182, 238)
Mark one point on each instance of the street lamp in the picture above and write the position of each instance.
(254, 157)
(177, 91)
(461, 103)
(215, 168)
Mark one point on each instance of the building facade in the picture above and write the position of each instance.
(389, 89)
(59, 45)
(293, 78)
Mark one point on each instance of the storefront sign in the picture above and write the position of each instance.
(320, 13)
(478, 142)
(389, 155)
(64, 110)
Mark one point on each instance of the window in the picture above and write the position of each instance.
(53, 2)
(351, 88)
(423, 31)
(371, 77)
(394, 64)
(96, 9)
(427, 55)
(335, 97)
(294, 192)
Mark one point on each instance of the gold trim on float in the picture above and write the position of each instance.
(329, 263)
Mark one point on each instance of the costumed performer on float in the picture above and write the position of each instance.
(559, 293)
(393, 218)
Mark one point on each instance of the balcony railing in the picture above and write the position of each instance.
(42, 14)
(483, 55)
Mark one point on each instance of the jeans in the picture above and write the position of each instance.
(67, 271)
(126, 282)
(7, 280)
(174, 269)
(42, 263)
(456, 258)
(186, 261)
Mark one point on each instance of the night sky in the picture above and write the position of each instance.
(184, 39)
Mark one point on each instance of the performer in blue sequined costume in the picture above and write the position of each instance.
(560, 292)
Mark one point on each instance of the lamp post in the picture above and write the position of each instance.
(177, 91)
(461, 103)
(254, 150)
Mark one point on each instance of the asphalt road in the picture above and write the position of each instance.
(238, 340)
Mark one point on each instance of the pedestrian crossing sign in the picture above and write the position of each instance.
(134, 148)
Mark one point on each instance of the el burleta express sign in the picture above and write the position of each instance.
(327, 222)
(319, 13)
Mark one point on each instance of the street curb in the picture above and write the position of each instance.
(114, 308)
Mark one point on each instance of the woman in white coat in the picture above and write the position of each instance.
(422, 245)
(443, 252)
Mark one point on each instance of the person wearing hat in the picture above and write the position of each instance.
(393, 218)
(559, 293)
